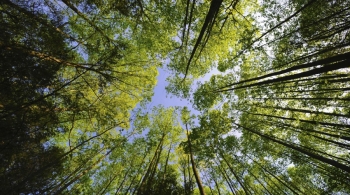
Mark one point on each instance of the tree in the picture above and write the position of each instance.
(77, 76)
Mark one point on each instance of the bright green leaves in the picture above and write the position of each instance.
(167, 124)
(274, 121)
(287, 117)
(210, 40)
(179, 87)
(207, 96)
(90, 67)
(186, 116)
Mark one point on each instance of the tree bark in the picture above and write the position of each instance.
(195, 172)
(310, 154)
(234, 174)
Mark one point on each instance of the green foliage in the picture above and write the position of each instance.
(76, 78)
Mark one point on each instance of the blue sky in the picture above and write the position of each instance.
(161, 96)
(167, 100)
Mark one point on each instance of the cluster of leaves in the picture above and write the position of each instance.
(288, 108)
(275, 121)
(70, 75)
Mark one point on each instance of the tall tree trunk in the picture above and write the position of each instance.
(122, 183)
(301, 130)
(154, 169)
(301, 150)
(209, 19)
(150, 168)
(335, 66)
(73, 173)
(234, 173)
(109, 183)
(166, 162)
(58, 160)
(42, 21)
(87, 170)
(301, 110)
(217, 186)
(277, 178)
(189, 174)
(298, 67)
(185, 186)
(195, 172)
(303, 120)
(91, 23)
(223, 173)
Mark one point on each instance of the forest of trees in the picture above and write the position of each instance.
(77, 78)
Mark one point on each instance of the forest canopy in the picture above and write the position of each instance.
(77, 79)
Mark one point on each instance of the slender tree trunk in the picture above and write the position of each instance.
(216, 183)
(327, 68)
(284, 35)
(223, 173)
(185, 22)
(126, 174)
(304, 98)
(154, 169)
(195, 172)
(209, 19)
(81, 166)
(302, 120)
(257, 179)
(189, 174)
(109, 183)
(301, 110)
(42, 21)
(150, 168)
(185, 186)
(124, 179)
(91, 167)
(234, 173)
(275, 27)
(301, 150)
(166, 163)
(307, 81)
(91, 23)
(300, 130)
(277, 178)
(132, 182)
(298, 67)
(207, 180)
(58, 160)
